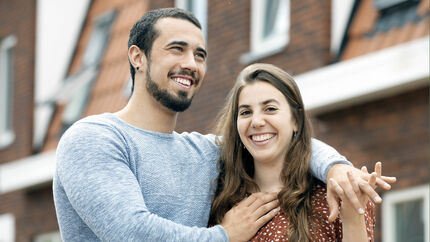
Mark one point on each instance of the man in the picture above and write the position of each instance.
(129, 177)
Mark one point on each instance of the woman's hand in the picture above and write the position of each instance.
(349, 191)
(354, 224)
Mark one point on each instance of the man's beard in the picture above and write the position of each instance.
(168, 100)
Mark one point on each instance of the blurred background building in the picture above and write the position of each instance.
(362, 67)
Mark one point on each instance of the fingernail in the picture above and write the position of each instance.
(387, 186)
(361, 211)
(276, 210)
(378, 199)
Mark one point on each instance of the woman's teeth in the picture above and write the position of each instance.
(262, 137)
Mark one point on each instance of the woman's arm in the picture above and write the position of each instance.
(354, 224)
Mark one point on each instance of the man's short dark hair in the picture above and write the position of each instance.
(143, 33)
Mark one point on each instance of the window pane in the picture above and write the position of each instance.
(270, 16)
(6, 75)
(409, 221)
(9, 89)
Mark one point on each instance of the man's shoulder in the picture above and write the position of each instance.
(198, 137)
(91, 127)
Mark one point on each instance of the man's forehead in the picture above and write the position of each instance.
(170, 26)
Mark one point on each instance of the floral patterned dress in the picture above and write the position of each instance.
(322, 230)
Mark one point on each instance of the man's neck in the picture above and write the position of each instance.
(144, 112)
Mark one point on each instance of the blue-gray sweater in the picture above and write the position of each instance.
(116, 182)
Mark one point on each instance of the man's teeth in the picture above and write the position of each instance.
(182, 81)
(262, 137)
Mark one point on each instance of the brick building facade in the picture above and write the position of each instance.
(385, 122)
(29, 211)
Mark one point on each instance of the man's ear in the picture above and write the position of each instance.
(137, 58)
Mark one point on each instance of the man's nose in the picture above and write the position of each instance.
(189, 62)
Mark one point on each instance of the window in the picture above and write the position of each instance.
(394, 14)
(406, 215)
(48, 237)
(198, 8)
(7, 225)
(6, 90)
(270, 23)
(82, 82)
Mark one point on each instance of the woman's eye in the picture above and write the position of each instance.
(243, 113)
(271, 109)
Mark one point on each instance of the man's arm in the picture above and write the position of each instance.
(95, 175)
(327, 163)
(323, 158)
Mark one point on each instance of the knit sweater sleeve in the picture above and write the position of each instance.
(323, 158)
(94, 171)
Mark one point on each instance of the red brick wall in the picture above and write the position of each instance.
(18, 18)
(33, 211)
(393, 130)
(229, 38)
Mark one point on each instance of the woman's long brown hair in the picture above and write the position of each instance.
(236, 164)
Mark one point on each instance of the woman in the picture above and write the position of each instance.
(266, 147)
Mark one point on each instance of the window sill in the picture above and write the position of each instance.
(6, 139)
(252, 56)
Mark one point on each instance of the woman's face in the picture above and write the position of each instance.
(265, 123)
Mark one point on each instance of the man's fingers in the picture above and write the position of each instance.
(353, 182)
(261, 199)
(333, 205)
(249, 200)
(372, 180)
(262, 220)
(264, 209)
(389, 179)
(378, 169)
(364, 169)
(366, 187)
(383, 182)
(347, 192)
(353, 199)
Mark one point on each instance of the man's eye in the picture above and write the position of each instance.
(200, 55)
(176, 48)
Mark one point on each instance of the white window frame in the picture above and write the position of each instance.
(388, 213)
(201, 13)
(7, 225)
(7, 135)
(83, 81)
(262, 46)
(48, 237)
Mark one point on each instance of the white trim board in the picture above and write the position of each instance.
(391, 198)
(27, 172)
(365, 78)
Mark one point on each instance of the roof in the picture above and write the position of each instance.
(113, 71)
(376, 25)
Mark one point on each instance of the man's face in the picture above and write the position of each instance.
(177, 63)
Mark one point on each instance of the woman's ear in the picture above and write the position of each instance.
(137, 58)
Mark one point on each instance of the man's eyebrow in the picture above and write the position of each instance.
(185, 44)
(202, 50)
